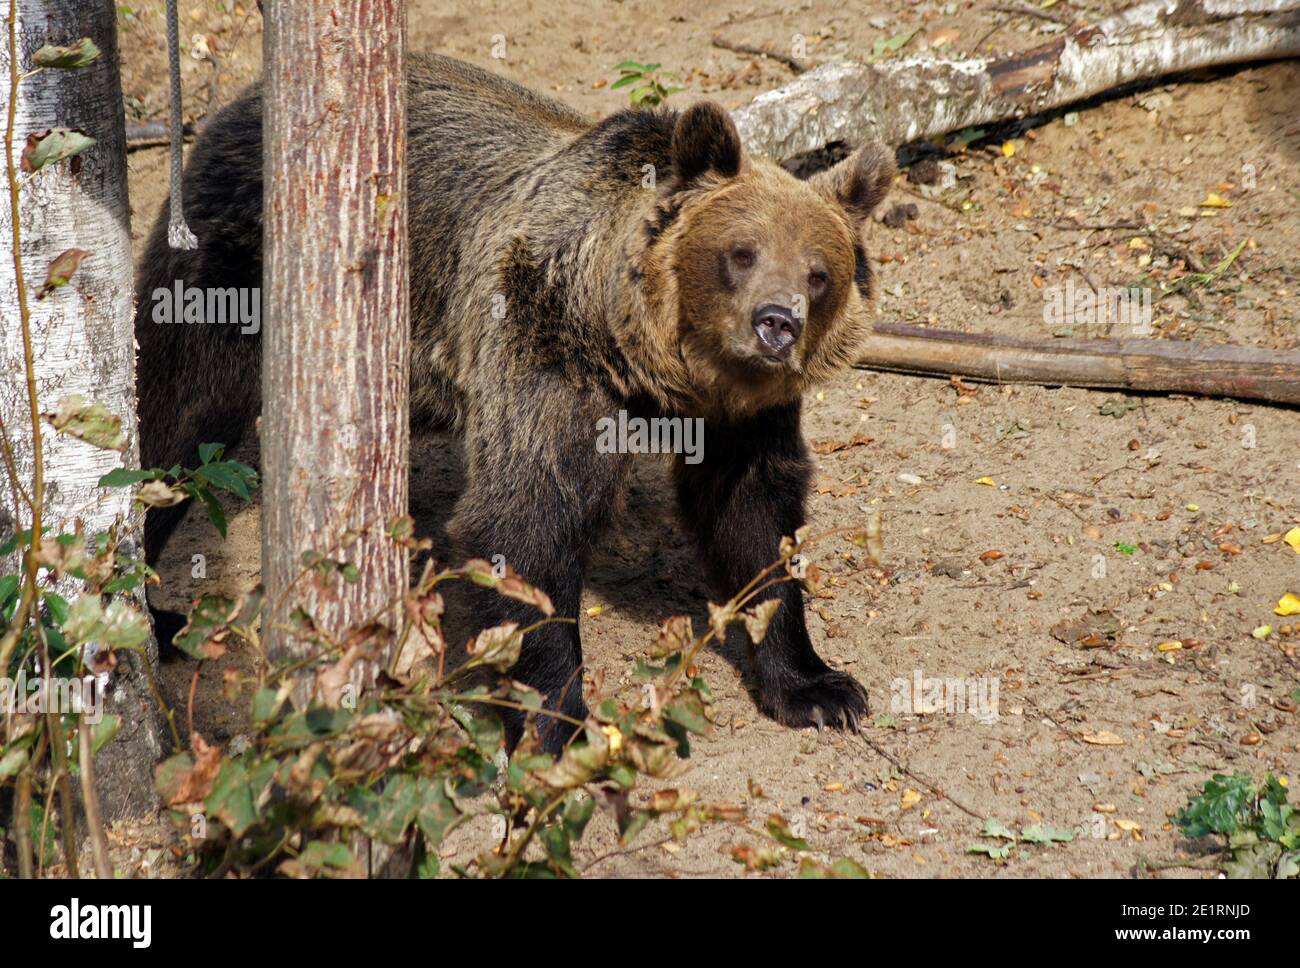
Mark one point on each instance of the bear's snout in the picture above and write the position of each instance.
(777, 328)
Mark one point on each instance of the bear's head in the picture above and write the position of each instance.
(766, 281)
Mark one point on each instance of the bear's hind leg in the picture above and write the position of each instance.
(537, 496)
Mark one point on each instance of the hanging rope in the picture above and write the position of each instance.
(178, 233)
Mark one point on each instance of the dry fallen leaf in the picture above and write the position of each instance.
(1130, 827)
(1289, 604)
(1103, 738)
(834, 446)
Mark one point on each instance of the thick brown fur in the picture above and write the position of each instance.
(563, 271)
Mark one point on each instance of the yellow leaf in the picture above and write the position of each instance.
(1289, 604)
(910, 799)
(1215, 201)
(595, 610)
(1263, 632)
(615, 737)
(1008, 149)
(1173, 645)
(1103, 738)
(1193, 507)
(1293, 539)
(987, 481)
(1130, 827)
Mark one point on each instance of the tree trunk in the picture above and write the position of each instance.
(336, 296)
(918, 97)
(82, 338)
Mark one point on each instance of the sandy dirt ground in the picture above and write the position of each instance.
(1088, 567)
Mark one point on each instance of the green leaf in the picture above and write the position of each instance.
(210, 452)
(9, 585)
(52, 147)
(687, 711)
(895, 43)
(266, 706)
(116, 625)
(780, 831)
(558, 846)
(1221, 807)
(322, 859)
(396, 809)
(91, 422)
(12, 761)
(127, 477)
(995, 828)
(210, 504)
(61, 270)
(231, 799)
(104, 731)
(579, 810)
(209, 620)
(1040, 834)
(632, 823)
(58, 606)
(44, 846)
(438, 812)
(223, 477)
(70, 58)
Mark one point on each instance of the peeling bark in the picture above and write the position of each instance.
(336, 284)
(82, 335)
(918, 97)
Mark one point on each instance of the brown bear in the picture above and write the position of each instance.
(566, 274)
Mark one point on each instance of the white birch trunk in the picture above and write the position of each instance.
(918, 97)
(82, 335)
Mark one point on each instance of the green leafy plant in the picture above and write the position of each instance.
(419, 753)
(1002, 839)
(164, 488)
(649, 85)
(1259, 824)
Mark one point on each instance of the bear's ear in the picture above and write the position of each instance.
(705, 139)
(860, 182)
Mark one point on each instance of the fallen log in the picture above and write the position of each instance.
(902, 100)
(1165, 366)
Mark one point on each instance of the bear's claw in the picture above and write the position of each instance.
(830, 697)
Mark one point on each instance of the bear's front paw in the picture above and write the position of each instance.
(829, 698)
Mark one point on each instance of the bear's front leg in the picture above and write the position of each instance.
(537, 495)
(746, 493)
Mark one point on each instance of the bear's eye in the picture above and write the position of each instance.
(743, 257)
(817, 281)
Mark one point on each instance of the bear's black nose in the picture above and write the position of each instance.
(777, 329)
